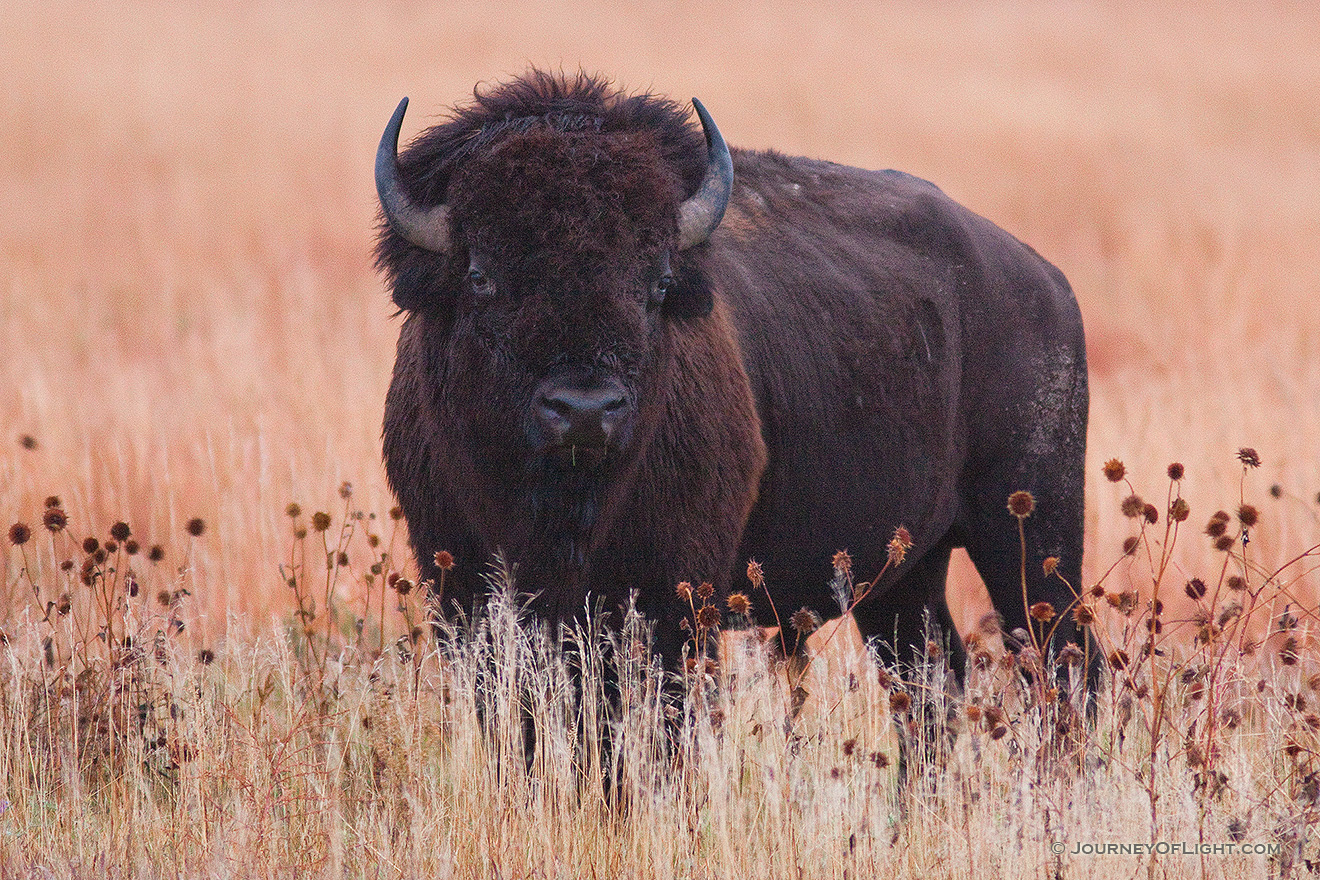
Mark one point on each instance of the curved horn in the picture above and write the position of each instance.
(699, 215)
(425, 227)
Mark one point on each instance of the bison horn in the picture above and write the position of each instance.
(425, 227)
(699, 215)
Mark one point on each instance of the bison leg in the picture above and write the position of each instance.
(1052, 530)
(897, 618)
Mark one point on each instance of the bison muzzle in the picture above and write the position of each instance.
(633, 357)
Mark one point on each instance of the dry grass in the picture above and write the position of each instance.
(191, 327)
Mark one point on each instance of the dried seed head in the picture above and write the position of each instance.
(294, 510)
(805, 622)
(120, 531)
(842, 562)
(1130, 545)
(163, 598)
(111, 546)
(1049, 566)
(1236, 583)
(1288, 655)
(1248, 515)
(1118, 659)
(1195, 588)
(1021, 504)
(1179, 510)
(27, 441)
(1225, 543)
(1071, 655)
(99, 556)
(320, 521)
(346, 490)
(53, 501)
(1218, 524)
(1176, 471)
(684, 591)
(19, 534)
(1133, 507)
(705, 590)
(1042, 611)
(1248, 457)
(1083, 615)
(1151, 514)
(196, 526)
(933, 650)
(1114, 470)
(899, 702)
(899, 545)
(1125, 602)
(64, 604)
(396, 513)
(156, 553)
(131, 547)
(1228, 613)
(999, 732)
(206, 656)
(403, 586)
(708, 617)
(973, 712)
(754, 573)
(1276, 491)
(739, 603)
(54, 518)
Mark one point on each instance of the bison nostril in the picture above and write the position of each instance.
(582, 416)
(557, 406)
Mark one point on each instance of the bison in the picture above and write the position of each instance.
(632, 357)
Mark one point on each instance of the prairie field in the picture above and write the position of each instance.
(193, 337)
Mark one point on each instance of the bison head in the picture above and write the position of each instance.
(537, 247)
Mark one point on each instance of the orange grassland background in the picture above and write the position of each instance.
(190, 323)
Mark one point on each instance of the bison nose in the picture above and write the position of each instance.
(577, 416)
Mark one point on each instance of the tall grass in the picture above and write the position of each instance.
(473, 748)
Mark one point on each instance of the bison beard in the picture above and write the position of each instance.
(601, 380)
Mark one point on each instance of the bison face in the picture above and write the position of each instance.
(553, 253)
(558, 314)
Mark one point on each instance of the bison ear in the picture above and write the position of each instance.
(422, 286)
(690, 296)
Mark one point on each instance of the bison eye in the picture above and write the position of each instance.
(659, 289)
(477, 278)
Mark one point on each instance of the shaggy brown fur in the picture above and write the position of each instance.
(849, 352)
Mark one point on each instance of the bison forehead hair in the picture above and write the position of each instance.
(636, 155)
(553, 207)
